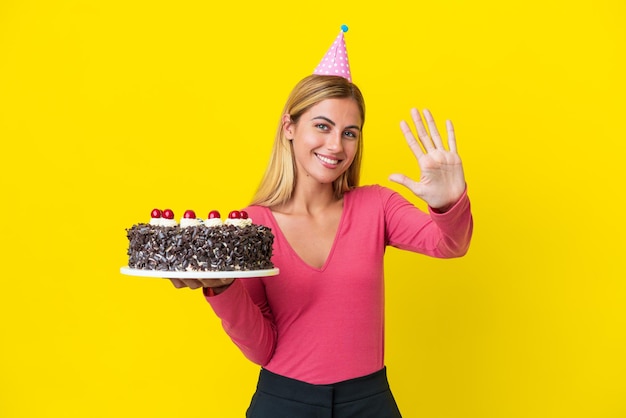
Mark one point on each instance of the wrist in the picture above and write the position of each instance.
(214, 291)
(442, 209)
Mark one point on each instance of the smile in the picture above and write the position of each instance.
(327, 160)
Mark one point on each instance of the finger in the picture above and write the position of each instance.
(422, 133)
(192, 283)
(177, 283)
(432, 127)
(215, 282)
(407, 182)
(210, 283)
(410, 140)
(451, 136)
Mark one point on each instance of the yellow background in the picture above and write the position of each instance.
(111, 108)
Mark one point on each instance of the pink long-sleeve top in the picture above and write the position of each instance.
(324, 325)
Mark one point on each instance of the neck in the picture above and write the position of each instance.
(310, 200)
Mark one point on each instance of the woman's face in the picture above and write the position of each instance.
(325, 139)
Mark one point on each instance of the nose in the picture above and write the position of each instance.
(334, 142)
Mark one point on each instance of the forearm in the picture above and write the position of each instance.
(441, 235)
(456, 227)
(248, 325)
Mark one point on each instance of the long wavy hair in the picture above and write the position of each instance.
(279, 180)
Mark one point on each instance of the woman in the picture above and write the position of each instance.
(317, 328)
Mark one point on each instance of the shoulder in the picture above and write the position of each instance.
(372, 193)
(372, 199)
(378, 199)
(259, 214)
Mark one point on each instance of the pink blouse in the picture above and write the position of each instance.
(327, 325)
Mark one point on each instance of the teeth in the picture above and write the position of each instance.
(327, 160)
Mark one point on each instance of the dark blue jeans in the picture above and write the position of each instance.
(364, 397)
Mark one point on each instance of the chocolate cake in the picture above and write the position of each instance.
(202, 246)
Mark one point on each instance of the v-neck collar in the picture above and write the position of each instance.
(293, 252)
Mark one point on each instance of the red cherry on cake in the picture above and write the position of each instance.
(168, 214)
(235, 214)
(243, 214)
(190, 214)
(214, 214)
(156, 213)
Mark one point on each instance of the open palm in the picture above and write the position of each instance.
(442, 181)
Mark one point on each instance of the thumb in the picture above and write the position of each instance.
(410, 184)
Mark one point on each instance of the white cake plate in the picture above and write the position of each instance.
(236, 274)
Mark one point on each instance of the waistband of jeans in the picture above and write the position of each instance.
(323, 395)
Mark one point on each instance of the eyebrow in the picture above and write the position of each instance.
(334, 124)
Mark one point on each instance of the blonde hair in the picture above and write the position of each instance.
(279, 180)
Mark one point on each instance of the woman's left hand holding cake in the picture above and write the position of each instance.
(218, 285)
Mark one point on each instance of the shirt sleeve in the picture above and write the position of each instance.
(247, 318)
(441, 235)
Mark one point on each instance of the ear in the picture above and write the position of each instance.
(288, 126)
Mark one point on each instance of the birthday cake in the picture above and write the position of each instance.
(194, 244)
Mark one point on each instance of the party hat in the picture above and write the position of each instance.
(335, 62)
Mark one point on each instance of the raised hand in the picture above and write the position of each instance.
(442, 181)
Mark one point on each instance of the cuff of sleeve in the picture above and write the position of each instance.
(227, 302)
(209, 292)
(459, 206)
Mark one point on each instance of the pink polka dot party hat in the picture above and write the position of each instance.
(335, 62)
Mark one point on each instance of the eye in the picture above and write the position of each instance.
(322, 126)
(350, 134)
